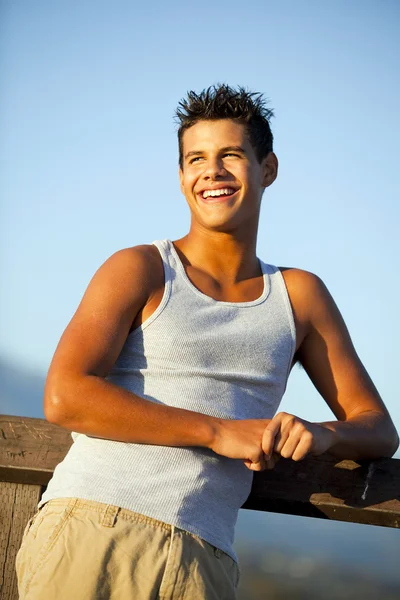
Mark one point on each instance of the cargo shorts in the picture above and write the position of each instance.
(75, 549)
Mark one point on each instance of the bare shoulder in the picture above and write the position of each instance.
(301, 280)
(123, 285)
(136, 258)
(139, 265)
(304, 288)
(127, 281)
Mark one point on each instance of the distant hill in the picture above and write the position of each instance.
(277, 575)
(345, 545)
(21, 391)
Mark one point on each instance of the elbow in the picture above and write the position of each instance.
(389, 440)
(51, 407)
(392, 438)
(55, 399)
(387, 437)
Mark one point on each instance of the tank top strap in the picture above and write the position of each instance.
(172, 275)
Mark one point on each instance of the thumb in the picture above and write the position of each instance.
(269, 435)
(255, 466)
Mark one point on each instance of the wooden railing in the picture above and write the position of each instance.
(367, 492)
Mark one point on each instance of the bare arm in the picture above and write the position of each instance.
(78, 397)
(364, 428)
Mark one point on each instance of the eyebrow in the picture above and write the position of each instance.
(221, 150)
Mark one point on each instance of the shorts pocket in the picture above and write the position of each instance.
(29, 527)
(37, 548)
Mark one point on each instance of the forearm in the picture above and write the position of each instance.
(368, 435)
(96, 407)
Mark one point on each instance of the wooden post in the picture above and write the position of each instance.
(366, 492)
(29, 451)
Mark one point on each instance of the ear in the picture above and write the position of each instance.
(181, 180)
(269, 169)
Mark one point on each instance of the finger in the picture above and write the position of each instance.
(290, 445)
(303, 448)
(280, 441)
(269, 435)
(289, 426)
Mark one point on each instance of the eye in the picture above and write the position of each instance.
(195, 159)
(231, 154)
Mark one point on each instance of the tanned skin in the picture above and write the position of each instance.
(219, 256)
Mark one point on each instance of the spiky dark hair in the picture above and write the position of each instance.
(221, 101)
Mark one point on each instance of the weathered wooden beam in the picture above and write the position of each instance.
(30, 449)
(366, 492)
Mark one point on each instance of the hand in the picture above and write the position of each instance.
(242, 439)
(295, 438)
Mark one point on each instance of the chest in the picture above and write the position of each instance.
(197, 336)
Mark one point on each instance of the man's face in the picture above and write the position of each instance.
(221, 177)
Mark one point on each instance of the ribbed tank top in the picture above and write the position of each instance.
(226, 359)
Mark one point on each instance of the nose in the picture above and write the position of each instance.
(214, 168)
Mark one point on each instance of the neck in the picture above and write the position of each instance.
(229, 256)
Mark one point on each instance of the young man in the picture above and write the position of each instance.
(170, 375)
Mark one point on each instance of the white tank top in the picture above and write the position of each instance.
(226, 359)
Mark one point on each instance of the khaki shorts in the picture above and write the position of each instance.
(74, 549)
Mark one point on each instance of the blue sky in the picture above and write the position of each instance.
(88, 154)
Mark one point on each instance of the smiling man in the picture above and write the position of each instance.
(170, 375)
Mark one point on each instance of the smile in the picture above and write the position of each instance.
(219, 193)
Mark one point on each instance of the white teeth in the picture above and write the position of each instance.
(220, 192)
